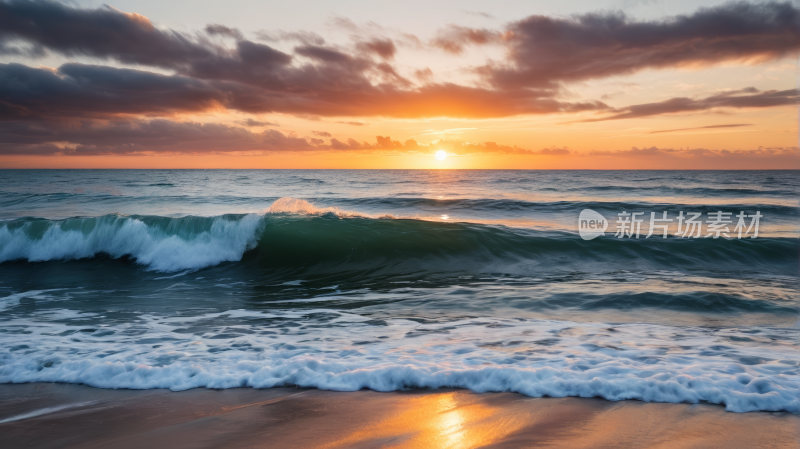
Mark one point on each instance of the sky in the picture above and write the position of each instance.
(617, 84)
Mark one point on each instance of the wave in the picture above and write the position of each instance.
(508, 205)
(744, 369)
(702, 301)
(294, 233)
(409, 204)
(662, 190)
(160, 243)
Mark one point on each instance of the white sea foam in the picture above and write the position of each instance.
(118, 236)
(744, 369)
(12, 300)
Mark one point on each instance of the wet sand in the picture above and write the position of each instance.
(59, 415)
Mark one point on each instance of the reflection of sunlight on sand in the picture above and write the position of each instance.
(458, 419)
(436, 420)
(450, 423)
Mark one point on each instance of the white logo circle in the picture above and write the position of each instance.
(591, 224)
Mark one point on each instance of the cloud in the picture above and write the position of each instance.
(700, 128)
(697, 153)
(88, 137)
(216, 29)
(319, 79)
(304, 37)
(103, 33)
(744, 98)
(554, 151)
(635, 152)
(479, 14)
(160, 136)
(455, 147)
(79, 90)
(324, 54)
(545, 50)
(354, 123)
(253, 122)
(384, 48)
(107, 33)
(453, 39)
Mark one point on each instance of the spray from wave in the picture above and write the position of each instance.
(288, 205)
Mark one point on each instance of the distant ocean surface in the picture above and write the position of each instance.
(389, 280)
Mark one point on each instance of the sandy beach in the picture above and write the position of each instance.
(44, 415)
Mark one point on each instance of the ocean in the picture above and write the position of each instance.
(401, 279)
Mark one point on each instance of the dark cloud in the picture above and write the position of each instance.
(253, 122)
(103, 33)
(545, 50)
(221, 30)
(97, 137)
(744, 98)
(453, 39)
(384, 48)
(321, 133)
(323, 54)
(126, 137)
(79, 90)
(304, 37)
(323, 80)
(737, 125)
(107, 33)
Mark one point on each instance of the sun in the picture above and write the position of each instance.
(441, 155)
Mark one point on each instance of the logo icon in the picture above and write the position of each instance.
(591, 224)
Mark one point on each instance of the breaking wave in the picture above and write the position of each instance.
(295, 233)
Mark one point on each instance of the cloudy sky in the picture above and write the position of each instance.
(379, 84)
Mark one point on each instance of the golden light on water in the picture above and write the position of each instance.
(441, 155)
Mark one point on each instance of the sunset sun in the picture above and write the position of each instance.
(441, 155)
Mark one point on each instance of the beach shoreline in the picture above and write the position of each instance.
(43, 415)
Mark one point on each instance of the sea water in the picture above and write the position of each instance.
(393, 279)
